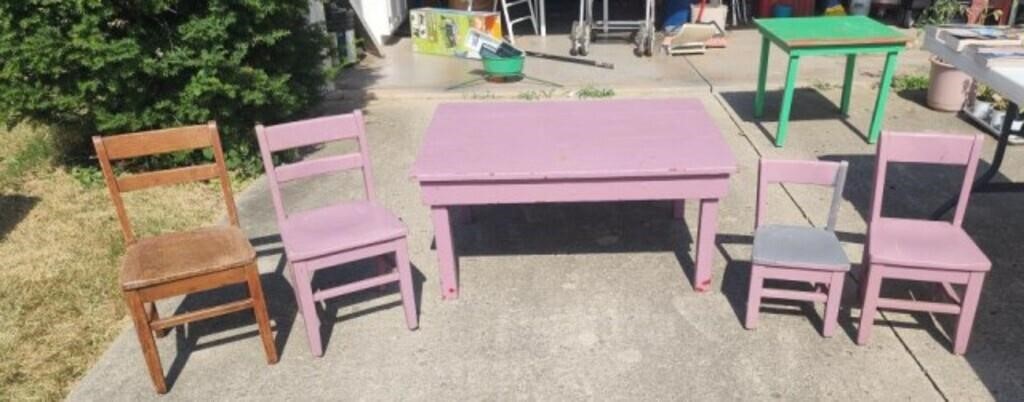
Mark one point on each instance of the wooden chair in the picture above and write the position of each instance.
(798, 253)
(339, 233)
(167, 265)
(923, 250)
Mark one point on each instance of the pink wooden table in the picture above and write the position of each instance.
(572, 151)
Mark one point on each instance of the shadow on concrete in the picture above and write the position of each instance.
(331, 277)
(918, 96)
(281, 306)
(14, 208)
(363, 303)
(994, 221)
(235, 326)
(808, 104)
(576, 228)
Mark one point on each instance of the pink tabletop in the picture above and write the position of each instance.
(571, 140)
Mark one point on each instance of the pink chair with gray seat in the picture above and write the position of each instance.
(336, 234)
(798, 253)
(922, 250)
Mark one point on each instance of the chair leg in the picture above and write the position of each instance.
(304, 293)
(754, 296)
(155, 315)
(405, 284)
(968, 309)
(259, 309)
(149, 351)
(867, 312)
(835, 296)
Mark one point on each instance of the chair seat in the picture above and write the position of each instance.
(799, 247)
(180, 255)
(336, 228)
(925, 244)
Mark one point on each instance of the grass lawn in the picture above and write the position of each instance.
(60, 247)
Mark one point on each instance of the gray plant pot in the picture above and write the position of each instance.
(980, 109)
(995, 119)
(947, 87)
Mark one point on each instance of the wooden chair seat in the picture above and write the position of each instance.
(799, 247)
(174, 256)
(339, 227)
(929, 244)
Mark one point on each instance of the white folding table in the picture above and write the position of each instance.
(1008, 82)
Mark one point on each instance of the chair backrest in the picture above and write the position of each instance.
(930, 148)
(313, 132)
(146, 143)
(820, 173)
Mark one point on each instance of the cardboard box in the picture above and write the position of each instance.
(443, 31)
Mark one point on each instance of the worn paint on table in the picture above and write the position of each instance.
(829, 31)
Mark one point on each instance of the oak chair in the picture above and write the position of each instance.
(939, 252)
(162, 266)
(798, 253)
(339, 233)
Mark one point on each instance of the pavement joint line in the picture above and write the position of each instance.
(711, 87)
(789, 194)
(910, 352)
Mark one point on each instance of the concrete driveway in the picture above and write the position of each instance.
(594, 301)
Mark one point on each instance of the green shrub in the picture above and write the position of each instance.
(110, 66)
(910, 82)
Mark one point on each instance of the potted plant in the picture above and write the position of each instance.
(981, 106)
(948, 87)
(998, 114)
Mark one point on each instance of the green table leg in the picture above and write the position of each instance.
(787, 100)
(883, 96)
(844, 107)
(762, 75)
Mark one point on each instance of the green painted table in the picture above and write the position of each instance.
(827, 36)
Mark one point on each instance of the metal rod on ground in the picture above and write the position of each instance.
(567, 59)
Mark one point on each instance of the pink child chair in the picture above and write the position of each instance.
(339, 233)
(923, 250)
(798, 253)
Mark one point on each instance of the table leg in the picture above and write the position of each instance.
(787, 100)
(980, 184)
(762, 75)
(445, 253)
(844, 106)
(883, 96)
(706, 231)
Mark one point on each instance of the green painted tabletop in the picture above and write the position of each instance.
(803, 32)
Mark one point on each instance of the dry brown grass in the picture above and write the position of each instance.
(59, 251)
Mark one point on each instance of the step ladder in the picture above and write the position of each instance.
(509, 22)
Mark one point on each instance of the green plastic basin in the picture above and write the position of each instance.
(503, 66)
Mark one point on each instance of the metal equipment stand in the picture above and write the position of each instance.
(583, 29)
